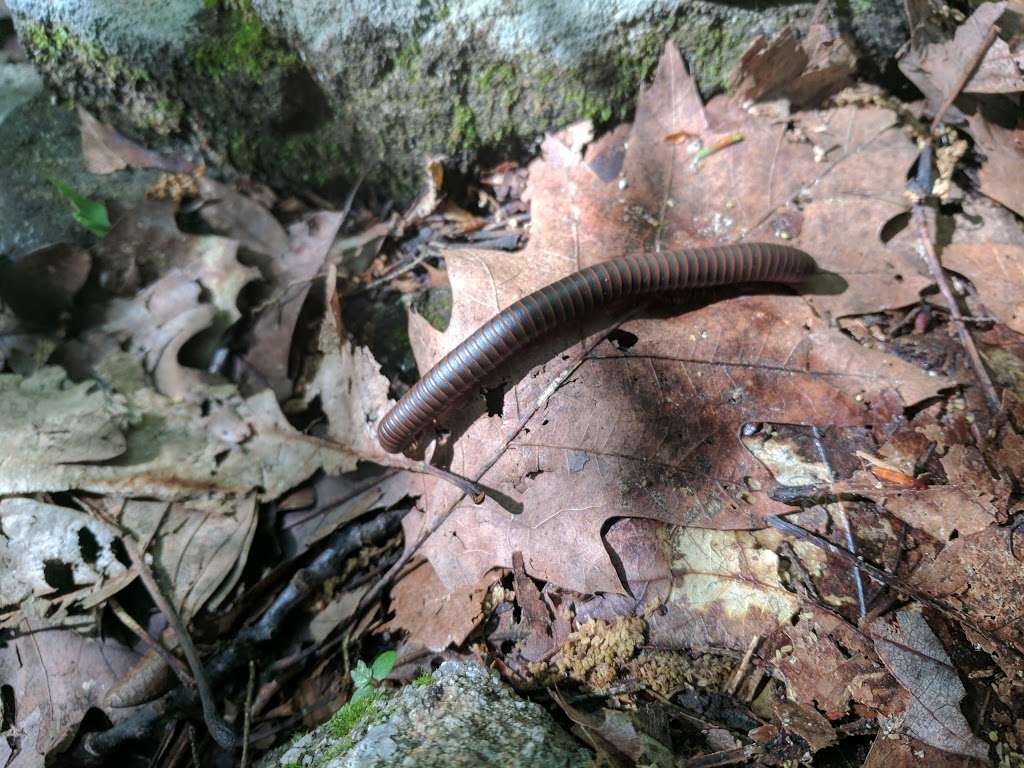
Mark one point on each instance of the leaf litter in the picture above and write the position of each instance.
(202, 396)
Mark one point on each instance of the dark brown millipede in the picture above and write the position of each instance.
(571, 298)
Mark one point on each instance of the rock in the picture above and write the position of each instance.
(38, 141)
(306, 94)
(464, 716)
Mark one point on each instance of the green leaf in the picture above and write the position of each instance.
(383, 664)
(361, 675)
(89, 213)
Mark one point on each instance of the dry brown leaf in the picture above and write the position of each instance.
(54, 676)
(432, 616)
(997, 271)
(913, 654)
(977, 575)
(40, 286)
(652, 430)
(937, 67)
(232, 214)
(1003, 148)
(291, 276)
(802, 70)
(199, 552)
(104, 150)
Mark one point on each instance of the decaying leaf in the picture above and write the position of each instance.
(46, 548)
(199, 553)
(54, 676)
(150, 445)
(291, 277)
(830, 664)
(913, 654)
(352, 391)
(725, 591)
(975, 574)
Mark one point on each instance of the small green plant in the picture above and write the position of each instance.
(366, 678)
(423, 679)
(89, 213)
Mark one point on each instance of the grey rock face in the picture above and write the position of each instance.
(319, 93)
(316, 93)
(40, 140)
(464, 717)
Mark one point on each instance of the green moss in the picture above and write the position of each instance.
(435, 306)
(242, 45)
(83, 70)
(498, 75)
(715, 53)
(367, 710)
(463, 133)
(405, 61)
(423, 680)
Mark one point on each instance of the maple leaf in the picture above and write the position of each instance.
(653, 430)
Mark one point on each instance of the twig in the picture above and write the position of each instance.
(172, 661)
(96, 745)
(965, 75)
(390, 275)
(954, 310)
(219, 730)
(427, 532)
(741, 670)
(247, 726)
(844, 521)
(194, 746)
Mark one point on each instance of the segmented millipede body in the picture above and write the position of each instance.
(574, 297)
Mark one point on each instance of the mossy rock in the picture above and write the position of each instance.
(304, 95)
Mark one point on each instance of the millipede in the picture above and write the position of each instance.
(574, 297)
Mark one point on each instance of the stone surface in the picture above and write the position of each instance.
(306, 94)
(40, 140)
(303, 92)
(465, 717)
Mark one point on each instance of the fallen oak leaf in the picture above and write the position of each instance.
(649, 431)
(148, 445)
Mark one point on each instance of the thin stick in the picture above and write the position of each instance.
(219, 730)
(844, 521)
(246, 728)
(741, 670)
(954, 310)
(172, 661)
(965, 75)
(394, 272)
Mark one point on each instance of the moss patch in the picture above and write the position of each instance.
(240, 44)
(84, 71)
